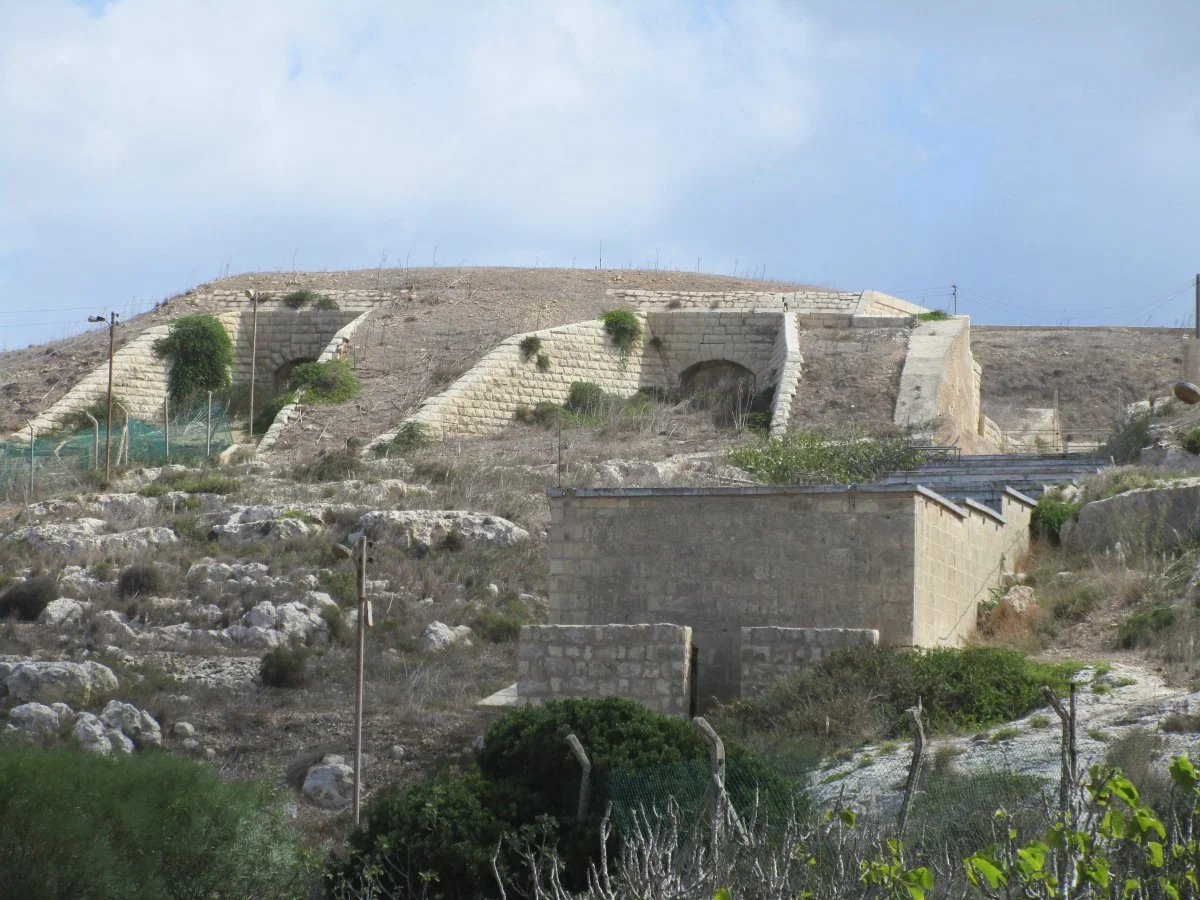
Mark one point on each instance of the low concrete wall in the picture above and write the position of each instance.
(647, 663)
(772, 654)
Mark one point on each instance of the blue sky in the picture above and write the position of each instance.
(1043, 156)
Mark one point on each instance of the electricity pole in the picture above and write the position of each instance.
(112, 332)
(253, 295)
(954, 298)
(1198, 306)
(361, 556)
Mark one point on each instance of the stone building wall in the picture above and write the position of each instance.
(961, 553)
(772, 654)
(722, 559)
(649, 663)
(687, 338)
(285, 336)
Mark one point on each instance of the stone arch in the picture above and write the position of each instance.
(283, 371)
(722, 375)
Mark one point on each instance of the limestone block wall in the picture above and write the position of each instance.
(877, 304)
(648, 663)
(789, 363)
(772, 654)
(484, 400)
(720, 559)
(285, 335)
(685, 338)
(961, 553)
(939, 385)
(847, 302)
(356, 301)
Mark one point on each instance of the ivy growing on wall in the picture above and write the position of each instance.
(201, 356)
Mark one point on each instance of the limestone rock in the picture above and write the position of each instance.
(318, 600)
(329, 783)
(112, 625)
(183, 730)
(51, 682)
(61, 612)
(298, 621)
(418, 530)
(438, 636)
(1148, 520)
(36, 721)
(91, 734)
(262, 615)
(255, 636)
(1018, 599)
(88, 535)
(136, 724)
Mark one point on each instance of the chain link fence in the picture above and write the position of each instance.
(58, 461)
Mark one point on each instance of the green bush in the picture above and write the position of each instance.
(1191, 443)
(332, 465)
(587, 399)
(325, 302)
(1140, 628)
(1127, 440)
(526, 778)
(543, 362)
(1050, 514)
(284, 667)
(531, 346)
(139, 827)
(823, 457)
(201, 355)
(934, 315)
(331, 381)
(142, 579)
(1075, 603)
(192, 483)
(502, 625)
(623, 327)
(26, 599)
(409, 437)
(862, 693)
(298, 299)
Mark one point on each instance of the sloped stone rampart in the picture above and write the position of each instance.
(940, 386)
(789, 362)
(647, 663)
(772, 654)
(847, 302)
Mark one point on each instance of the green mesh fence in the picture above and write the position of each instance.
(60, 460)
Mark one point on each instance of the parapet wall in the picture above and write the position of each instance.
(648, 663)
(940, 386)
(773, 654)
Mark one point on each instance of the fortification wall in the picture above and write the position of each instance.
(961, 553)
(789, 362)
(647, 663)
(940, 385)
(848, 302)
(687, 338)
(285, 336)
(723, 559)
(770, 655)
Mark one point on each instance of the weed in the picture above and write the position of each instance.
(300, 298)
(454, 540)
(143, 579)
(284, 667)
(531, 346)
(1181, 723)
(623, 327)
(821, 457)
(933, 315)
(325, 302)
(543, 362)
(103, 570)
(1039, 721)
(326, 382)
(332, 465)
(1097, 734)
(1140, 627)
(1127, 439)
(1050, 514)
(410, 436)
(1006, 733)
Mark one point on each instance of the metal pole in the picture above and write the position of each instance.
(95, 440)
(167, 427)
(253, 375)
(358, 682)
(30, 463)
(1198, 306)
(585, 777)
(208, 429)
(112, 331)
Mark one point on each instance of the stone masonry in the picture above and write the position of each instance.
(771, 654)
(649, 663)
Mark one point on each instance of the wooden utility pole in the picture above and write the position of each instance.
(364, 616)
(954, 298)
(112, 333)
(1198, 306)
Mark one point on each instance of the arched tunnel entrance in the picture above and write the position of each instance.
(728, 389)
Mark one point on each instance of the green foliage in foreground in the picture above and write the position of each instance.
(862, 693)
(148, 826)
(1127, 440)
(201, 355)
(623, 328)
(331, 381)
(822, 457)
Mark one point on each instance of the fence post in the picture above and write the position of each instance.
(914, 769)
(166, 427)
(208, 429)
(585, 779)
(31, 464)
(95, 440)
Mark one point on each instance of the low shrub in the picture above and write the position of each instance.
(933, 315)
(326, 382)
(454, 540)
(332, 465)
(201, 355)
(1075, 603)
(824, 457)
(502, 625)
(1141, 627)
(26, 599)
(531, 346)
(1127, 439)
(325, 302)
(1191, 443)
(862, 693)
(284, 667)
(543, 362)
(193, 483)
(410, 436)
(1050, 514)
(300, 298)
(103, 570)
(586, 399)
(623, 328)
(138, 826)
(140, 580)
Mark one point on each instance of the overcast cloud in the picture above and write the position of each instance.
(1044, 156)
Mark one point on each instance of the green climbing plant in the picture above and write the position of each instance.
(201, 356)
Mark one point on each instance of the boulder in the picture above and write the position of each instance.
(183, 730)
(1019, 599)
(1146, 520)
(438, 636)
(298, 621)
(136, 724)
(88, 535)
(91, 734)
(73, 683)
(61, 612)
(255, 636)
(36, 721)
(418, 530)
(318, 600)
(112, 625)
(263, 615)
(1167, 456)
(329, 783)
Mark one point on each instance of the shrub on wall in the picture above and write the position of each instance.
(201, 356)
(325, 302)
(531, 346)
(623, 327)
(331, 381)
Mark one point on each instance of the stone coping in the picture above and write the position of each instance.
(1020, 498)
(984, 509)
(759, 490)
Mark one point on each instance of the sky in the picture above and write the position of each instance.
(1043, 156)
